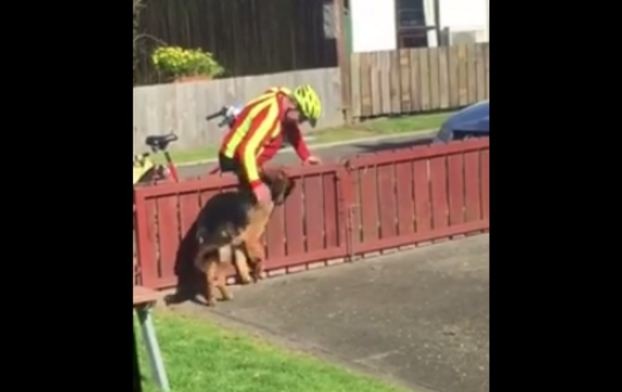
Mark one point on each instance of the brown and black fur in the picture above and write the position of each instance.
(224, 222)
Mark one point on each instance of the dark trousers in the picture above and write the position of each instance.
(232, 166)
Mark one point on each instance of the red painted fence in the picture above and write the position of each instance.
(373, 202)
(418, 194)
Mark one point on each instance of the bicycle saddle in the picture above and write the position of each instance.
(160, 142)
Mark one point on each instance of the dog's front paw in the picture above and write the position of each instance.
(211, 302)
(257, 277)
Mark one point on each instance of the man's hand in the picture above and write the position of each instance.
(262, 193)
(313, 160)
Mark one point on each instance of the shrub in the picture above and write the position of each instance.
(178, 62)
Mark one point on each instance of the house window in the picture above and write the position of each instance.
(411, 27)
(410, 13)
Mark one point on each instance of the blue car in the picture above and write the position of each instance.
(469, 122)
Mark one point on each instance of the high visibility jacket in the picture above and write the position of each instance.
(257, 133)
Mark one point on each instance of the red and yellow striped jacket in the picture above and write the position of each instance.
(257, 133)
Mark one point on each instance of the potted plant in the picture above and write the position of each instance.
(186, 64)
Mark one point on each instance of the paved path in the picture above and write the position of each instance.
(418, 317)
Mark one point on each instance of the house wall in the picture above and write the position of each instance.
(374, 22)
(464, 16)
(373, 25)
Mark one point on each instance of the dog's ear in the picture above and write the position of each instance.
(289, 187)
(281, 187)
(270, 176)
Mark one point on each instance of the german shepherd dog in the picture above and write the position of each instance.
(235, 222)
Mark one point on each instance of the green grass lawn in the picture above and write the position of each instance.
(371, 128)
(201, 357)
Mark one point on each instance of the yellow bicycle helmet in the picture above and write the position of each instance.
(308, 102)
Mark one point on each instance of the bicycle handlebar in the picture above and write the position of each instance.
(228, 114)
(222, 112)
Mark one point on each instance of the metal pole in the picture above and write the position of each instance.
(437, 22)
(343, 60)
(136, 372)
(153, 348)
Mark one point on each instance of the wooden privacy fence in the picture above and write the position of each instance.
(418, 80)
(182, 107)
(372, 202)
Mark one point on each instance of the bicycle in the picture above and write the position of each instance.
(145, 171)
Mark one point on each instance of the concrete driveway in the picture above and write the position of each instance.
(417, 317)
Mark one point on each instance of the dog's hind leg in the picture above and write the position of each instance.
(211, 270)
(256, 255)
(221, 280)
(259, 216)
(241, 266)
(232, 255)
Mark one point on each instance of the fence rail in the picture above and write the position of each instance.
(418, 80)
(372, 202)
